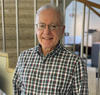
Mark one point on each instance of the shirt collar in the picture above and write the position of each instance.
(53, 52)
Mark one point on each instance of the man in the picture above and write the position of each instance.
(49, 68)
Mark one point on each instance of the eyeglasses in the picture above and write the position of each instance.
(51, 27)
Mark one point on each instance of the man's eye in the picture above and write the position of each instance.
(53, 26)
(42, 25)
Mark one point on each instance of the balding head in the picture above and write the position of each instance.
(56, 9)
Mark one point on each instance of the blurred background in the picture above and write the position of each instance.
(82, 35)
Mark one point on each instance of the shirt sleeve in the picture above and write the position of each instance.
(80, 79)
(17, 79)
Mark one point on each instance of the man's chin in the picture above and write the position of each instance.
(47, 46)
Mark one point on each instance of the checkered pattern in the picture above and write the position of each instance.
(58, 73)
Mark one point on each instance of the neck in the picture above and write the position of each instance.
(46, 50)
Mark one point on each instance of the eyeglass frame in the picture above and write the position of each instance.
(50, 25)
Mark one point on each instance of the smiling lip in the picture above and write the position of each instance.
(47, 38)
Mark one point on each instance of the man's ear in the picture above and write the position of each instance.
(63, 30)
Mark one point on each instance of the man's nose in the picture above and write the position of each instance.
(47, 30)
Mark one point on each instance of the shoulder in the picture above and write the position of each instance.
(70, 55)
(73, 59)
(27, 52)
(25, 55)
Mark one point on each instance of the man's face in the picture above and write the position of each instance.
(49, 37)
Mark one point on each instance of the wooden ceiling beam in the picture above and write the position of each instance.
(94, 10)
(90, 5)
(94, 4)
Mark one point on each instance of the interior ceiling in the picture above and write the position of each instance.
(91, 5)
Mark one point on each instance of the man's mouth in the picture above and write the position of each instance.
(47, 38)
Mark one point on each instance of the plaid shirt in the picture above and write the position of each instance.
(58, 73)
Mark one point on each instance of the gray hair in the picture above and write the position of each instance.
(48, 6)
